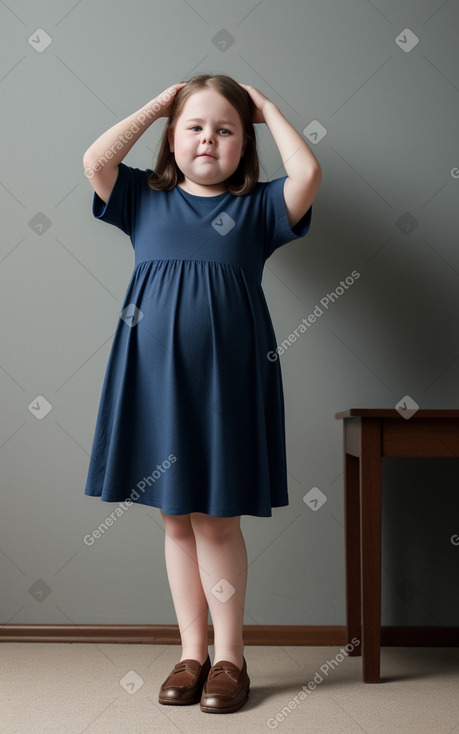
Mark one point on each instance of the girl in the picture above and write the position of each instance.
(191, 417)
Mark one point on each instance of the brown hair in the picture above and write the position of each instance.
(167, 174)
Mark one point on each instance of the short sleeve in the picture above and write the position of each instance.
(124, 202)
(277, 228)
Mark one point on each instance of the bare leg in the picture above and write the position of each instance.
(185, 583)
(222, 557)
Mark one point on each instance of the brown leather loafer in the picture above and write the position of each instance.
(226, 689)
(184, 685)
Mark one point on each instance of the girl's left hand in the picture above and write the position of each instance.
(258, 99)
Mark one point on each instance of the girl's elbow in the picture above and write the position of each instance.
(314, 179)
(88, 158)
(317, 177)
(316, 174)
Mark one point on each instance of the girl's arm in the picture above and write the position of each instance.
(102, 158)
(303, 170)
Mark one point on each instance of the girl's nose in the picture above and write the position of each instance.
(207, 137)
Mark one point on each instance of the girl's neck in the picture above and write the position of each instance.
(202, 190)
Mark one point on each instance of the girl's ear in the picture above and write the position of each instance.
(170, 138)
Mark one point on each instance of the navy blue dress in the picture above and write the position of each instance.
(191, 415)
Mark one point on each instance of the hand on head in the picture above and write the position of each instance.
(259, 100)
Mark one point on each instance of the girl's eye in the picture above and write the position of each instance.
(223, 130)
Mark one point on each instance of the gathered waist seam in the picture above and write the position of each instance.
(193, 260)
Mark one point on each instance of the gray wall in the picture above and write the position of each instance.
(387, 209)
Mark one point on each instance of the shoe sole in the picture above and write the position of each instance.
(171, 702)
(229, 710)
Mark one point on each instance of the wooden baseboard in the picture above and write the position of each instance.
(164, 634)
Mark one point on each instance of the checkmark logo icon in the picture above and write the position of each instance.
(131, 315)
(39, 407)
(223, 590)
(39, 40)
(407, 407)
(407, 40)
(314, 499)
(223, 223)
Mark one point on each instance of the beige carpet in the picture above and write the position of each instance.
(86, 688)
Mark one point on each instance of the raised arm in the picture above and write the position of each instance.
(301, 166)
(102, 158)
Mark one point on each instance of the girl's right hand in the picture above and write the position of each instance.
(101, 160)
(160, 104)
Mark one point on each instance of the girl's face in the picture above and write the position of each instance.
(207, 141)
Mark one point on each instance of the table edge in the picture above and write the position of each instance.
(393, 413)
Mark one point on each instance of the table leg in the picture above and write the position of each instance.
(370, 518)
(352, 541)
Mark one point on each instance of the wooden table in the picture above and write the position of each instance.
(369, 436)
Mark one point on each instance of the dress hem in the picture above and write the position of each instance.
(214, 512)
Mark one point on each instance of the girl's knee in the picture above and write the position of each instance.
(177, 526)
(215, 529)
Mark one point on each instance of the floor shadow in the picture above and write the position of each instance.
(261, 694)
(429, 661)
